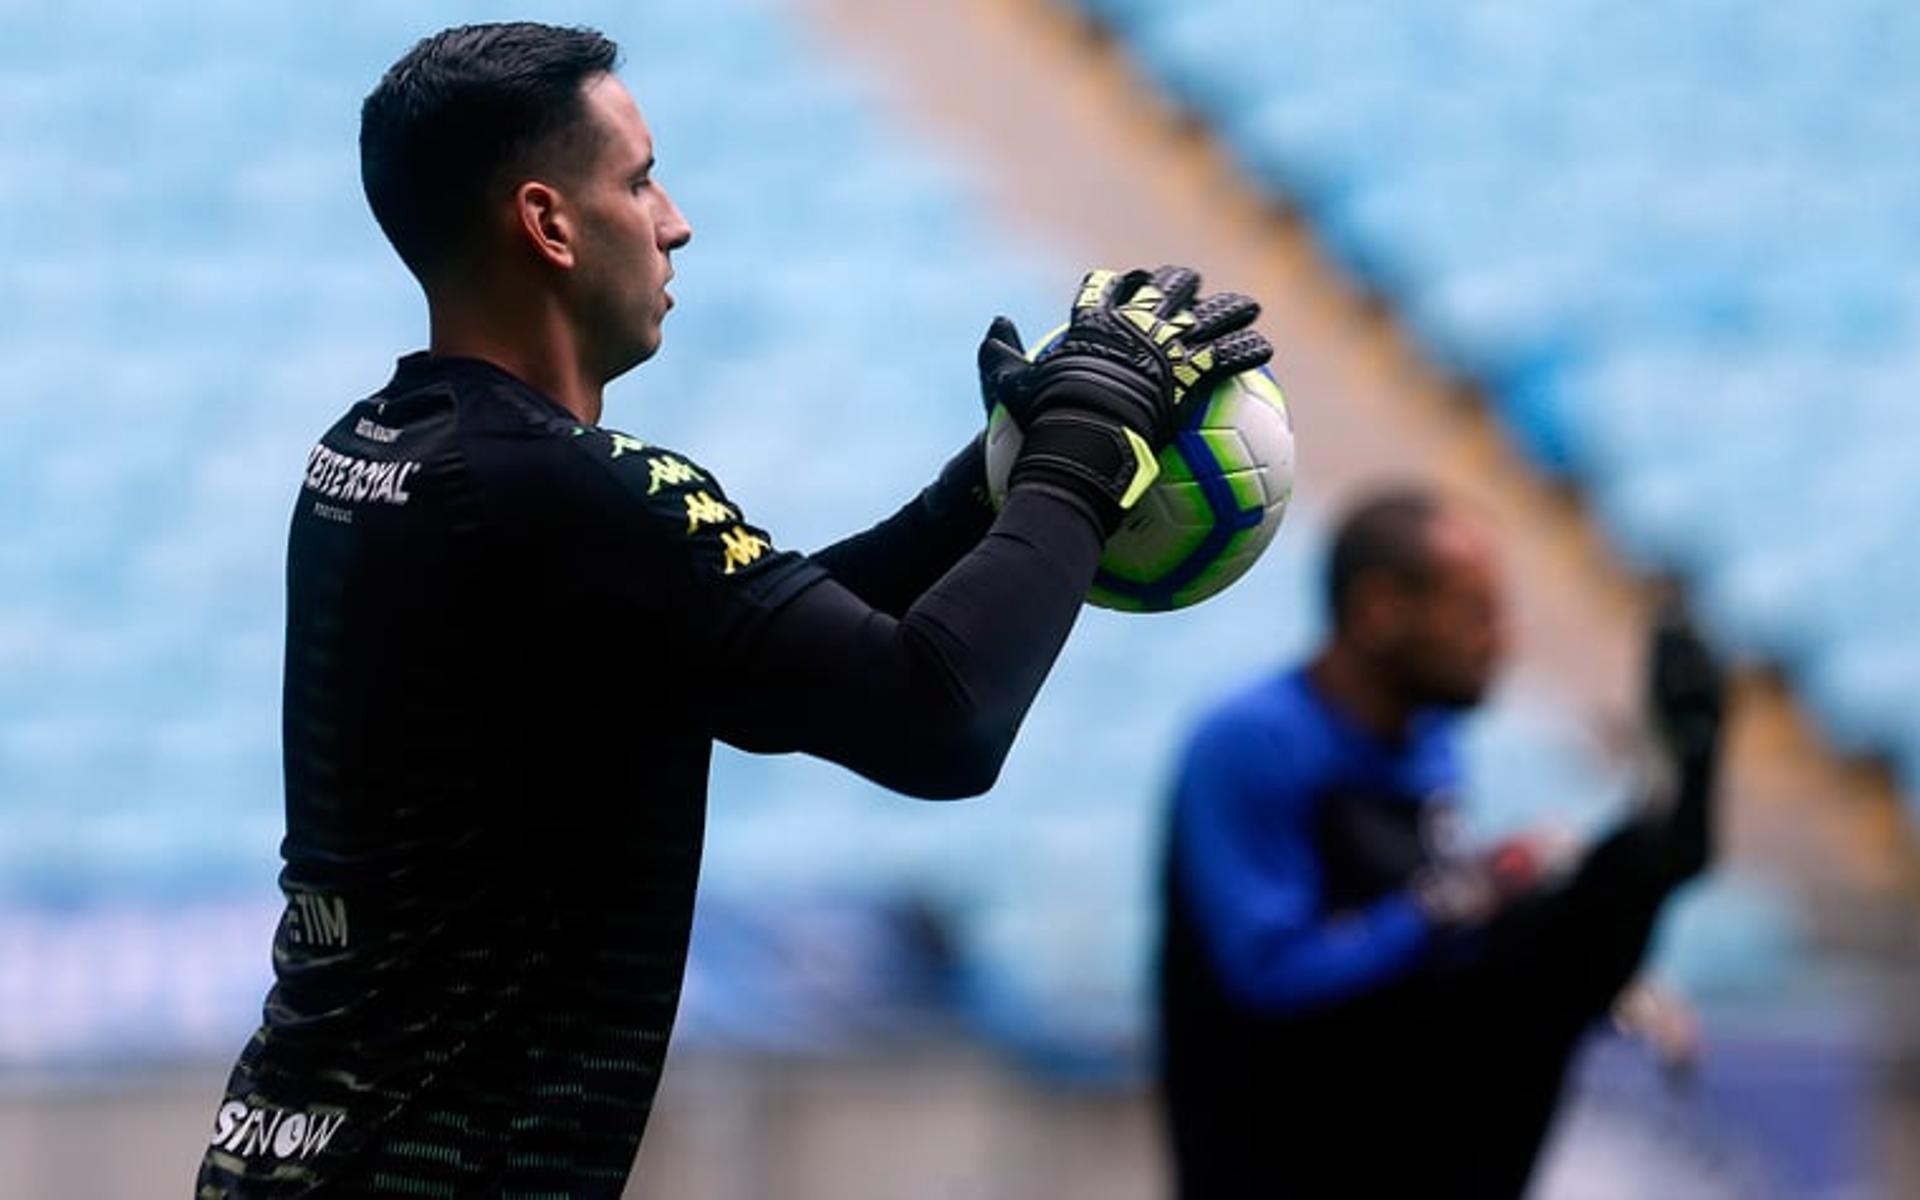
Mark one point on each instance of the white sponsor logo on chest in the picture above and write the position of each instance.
(340, 476)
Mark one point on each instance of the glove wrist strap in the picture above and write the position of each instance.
(1096, 386)
(1110, 466)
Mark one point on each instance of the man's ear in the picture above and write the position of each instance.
(542, 217)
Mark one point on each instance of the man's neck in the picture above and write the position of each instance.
(1358, 692)
(535, 348)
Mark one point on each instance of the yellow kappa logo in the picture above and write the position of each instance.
(742, 548)
(703, 509)
(664, 470)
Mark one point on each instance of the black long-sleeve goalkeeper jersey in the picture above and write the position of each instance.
(511, 640)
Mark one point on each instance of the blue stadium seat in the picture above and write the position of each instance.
(1675, 244)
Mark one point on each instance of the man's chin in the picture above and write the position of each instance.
(649, 342)
(635, 355)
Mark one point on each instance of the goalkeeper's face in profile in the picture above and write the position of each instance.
(513, 173)
(611, 259)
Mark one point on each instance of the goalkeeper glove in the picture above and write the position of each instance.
(1097, 406)
(1687, 701)
(1686, 690)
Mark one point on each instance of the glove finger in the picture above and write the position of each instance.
(1681, 656)
(998, 361)
(1685, 670)
(1242, 350)
(1220, 314)
(1169, 289)
(1104, 287)
(1001, 360)
(1129, 285)
(1004, 330)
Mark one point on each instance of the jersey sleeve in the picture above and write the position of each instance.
(701, 553)
(1247, 866)
(789, 659)
(893, 563)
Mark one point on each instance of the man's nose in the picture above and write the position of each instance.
(675, 232)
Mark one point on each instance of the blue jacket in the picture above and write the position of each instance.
(1293, 831)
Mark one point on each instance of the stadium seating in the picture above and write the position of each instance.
(200, 290)
(1674, 243)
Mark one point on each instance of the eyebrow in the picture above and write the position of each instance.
(644, 169)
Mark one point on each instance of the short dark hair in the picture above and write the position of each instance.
(1385, 533)
(457, 110)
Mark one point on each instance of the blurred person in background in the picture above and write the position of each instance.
(1351, 1003)
(513, 635)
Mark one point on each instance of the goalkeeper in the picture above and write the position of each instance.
(513, 634)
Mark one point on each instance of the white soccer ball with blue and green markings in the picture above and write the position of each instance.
(1223, 489)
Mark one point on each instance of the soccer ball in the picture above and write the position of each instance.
(1223, 489)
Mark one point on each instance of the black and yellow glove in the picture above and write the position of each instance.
(1096, 407)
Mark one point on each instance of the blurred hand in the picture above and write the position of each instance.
(1516, 864)
(1686, 688)
(1664, 1021)
(1472, 889)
